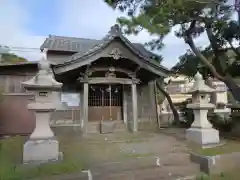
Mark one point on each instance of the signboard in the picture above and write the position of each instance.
(43, 93)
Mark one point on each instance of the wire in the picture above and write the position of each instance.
(21, 49)
(203, 1)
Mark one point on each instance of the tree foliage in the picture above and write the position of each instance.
(191, 18)
(12, 59)
(189, 64)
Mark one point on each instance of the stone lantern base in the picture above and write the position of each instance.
(41, 151)
(203, 136)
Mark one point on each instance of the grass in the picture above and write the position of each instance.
(233, 175)
(75, 159)
(229, 147)
(78, 153)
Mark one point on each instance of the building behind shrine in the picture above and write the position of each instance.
(114, 78)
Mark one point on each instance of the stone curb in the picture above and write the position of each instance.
(216, 164)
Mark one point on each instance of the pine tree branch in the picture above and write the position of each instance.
(203, 59)
(218, 52)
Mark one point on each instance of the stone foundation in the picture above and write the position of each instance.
(203, 136)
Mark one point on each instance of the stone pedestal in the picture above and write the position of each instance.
(41, 151)
(203, 136)
(42, 145)
(201, 131)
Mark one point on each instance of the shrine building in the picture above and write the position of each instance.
(114, 77)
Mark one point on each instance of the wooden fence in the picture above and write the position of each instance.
(16, 119)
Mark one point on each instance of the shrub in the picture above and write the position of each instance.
(188, 115)
(222, 123)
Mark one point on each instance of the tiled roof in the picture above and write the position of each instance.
(84, 48)
(81, 45)
(68, 44)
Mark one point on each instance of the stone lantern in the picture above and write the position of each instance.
(201, 131)
(42, 145)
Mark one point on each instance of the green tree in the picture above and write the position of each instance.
(189, 64)
(11, 59)
(191, 18)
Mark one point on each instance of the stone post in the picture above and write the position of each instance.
(42, 145)
(135, 108)
(201, 131)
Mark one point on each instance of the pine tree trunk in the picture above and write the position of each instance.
(174, 110)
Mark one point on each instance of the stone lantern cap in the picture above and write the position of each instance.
(44, 80)
(199, 86)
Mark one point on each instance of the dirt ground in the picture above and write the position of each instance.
(141, 156)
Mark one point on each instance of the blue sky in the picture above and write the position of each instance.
(26, 23)
(43, 16)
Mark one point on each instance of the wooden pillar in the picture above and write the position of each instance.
(81, 108)
(125, 105)
(135, 108)
(85, 106)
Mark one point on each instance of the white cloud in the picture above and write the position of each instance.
(13, 18)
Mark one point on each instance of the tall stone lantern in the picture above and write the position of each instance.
(201, 131)
(42, 145)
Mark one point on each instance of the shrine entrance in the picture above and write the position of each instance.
(105, 102)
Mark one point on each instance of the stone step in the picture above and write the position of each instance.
(94, 127)
(175, 159)
(152, 173)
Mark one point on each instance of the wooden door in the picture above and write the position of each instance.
(105, 102)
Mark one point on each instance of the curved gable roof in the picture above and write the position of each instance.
(83, 48)
(114, 33)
